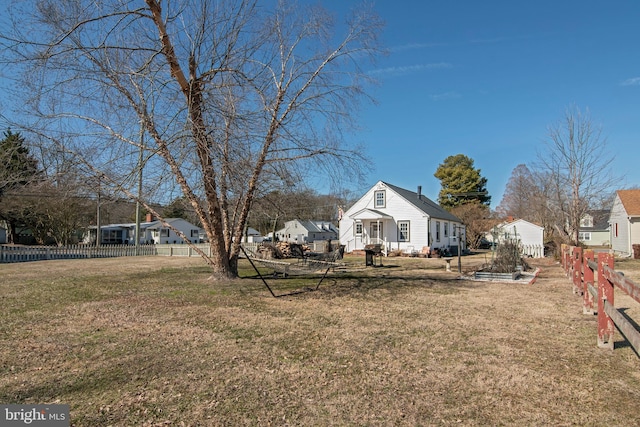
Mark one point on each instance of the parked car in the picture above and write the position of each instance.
(485, 244)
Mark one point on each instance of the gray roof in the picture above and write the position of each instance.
(600, 220)
(158, 224)
(312, 226)
(425, 204)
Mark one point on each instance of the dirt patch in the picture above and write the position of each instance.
(149, 341)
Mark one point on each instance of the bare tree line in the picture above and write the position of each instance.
(226, 100)
(571, 175)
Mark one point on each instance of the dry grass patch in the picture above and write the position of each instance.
(150, 341)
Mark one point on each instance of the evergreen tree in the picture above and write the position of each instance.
(17, 167)
(18, 170)
(461, 183)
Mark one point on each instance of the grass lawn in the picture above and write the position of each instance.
(150, 341)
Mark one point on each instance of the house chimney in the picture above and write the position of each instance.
(419, 191)
(149, 217)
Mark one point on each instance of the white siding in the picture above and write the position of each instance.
(598, 238)
(531, 236)
(527, 233)
(619, 228)
(183, 225)
(634, 225)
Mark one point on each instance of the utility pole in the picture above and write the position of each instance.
(98, 229)
(459, 248)
(140, 167)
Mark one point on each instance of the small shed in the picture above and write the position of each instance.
(529, 235)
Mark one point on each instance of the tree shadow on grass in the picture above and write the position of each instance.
(338, 284)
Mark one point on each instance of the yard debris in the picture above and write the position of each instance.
(281, 250)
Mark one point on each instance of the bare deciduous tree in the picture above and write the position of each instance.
(477, 220)
(230, 96)
(518, 194)
(525, 197)
(576, 170)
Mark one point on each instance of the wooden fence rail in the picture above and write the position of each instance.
(585, 268)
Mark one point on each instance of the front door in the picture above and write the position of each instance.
(375, 232)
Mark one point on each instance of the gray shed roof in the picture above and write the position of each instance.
(425, 204)
(312, 226)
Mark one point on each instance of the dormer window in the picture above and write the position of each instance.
(586, 221)
(380, 199)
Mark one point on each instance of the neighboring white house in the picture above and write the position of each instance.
(307, 231)
(252, 235)
(151, 232)
(398, 219)
(625, 222)
(529, 235)
(594, 228)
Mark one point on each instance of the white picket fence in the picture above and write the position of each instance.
(533, 251)
(10, 253)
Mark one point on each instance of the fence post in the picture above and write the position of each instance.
(605, 293)
(587, 301)
(576, 258)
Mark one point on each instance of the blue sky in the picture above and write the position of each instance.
(488, 78)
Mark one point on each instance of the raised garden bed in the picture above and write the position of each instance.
(498, 276)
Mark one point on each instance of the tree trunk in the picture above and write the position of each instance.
(13, 232)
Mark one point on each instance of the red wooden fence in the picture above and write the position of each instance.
(581, 266)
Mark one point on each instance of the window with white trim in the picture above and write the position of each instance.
(437, 231)
(586, 221)
(380, 199)
(403, 231)
(585, 236)
(164, 232)
(358, 228)
(446, 229)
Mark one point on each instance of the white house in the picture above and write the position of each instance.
(529, 235)
(251, 235)
(151, 232)
(307, 231)
(624, 222)
(399, 219)
(594, 228)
